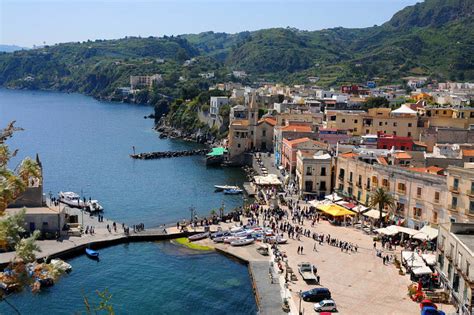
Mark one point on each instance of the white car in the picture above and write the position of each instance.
(325, 306)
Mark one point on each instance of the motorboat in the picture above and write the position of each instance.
(61, 265)
(242, 242)
(71, 199)
(92, 253)
(233, 191)
(225, 187)
(93, 206)
(197, 237)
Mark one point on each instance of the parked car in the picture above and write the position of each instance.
(325, 305)
(316, 295)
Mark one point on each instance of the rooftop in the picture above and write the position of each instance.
(33, 210)
(296, 128)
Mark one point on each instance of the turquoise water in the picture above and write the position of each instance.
(84, 145)
(147, 278)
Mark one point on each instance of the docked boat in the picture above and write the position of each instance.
(93, 206)
(225, 187)
(216, 156)
(71, 199)
(92, 253)
(61, 265)
(198, 237)
(242, 242)
(233, 191)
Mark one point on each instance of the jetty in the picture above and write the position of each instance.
(167, 154)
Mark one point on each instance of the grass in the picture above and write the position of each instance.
(185, 242)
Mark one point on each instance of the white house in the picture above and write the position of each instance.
(216, 103)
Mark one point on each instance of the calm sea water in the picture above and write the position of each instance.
(84, 146)
(147, 278)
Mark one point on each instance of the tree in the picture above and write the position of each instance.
(374, 102)
(12, 227)
(26, 248)
(28, 169)
(381, 198)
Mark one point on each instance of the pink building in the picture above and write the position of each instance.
(333, 135)
(291, 147)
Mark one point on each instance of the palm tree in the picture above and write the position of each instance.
(382, 198)
(29, 168)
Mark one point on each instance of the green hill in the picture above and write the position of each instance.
(433, 38)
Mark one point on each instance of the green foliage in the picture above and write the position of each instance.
(26, 247)
(12, 227)
(376, 101)
(381, 198)
(104, 305)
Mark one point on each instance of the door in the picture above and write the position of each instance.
(32, 226)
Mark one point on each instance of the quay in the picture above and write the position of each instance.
(167, 154)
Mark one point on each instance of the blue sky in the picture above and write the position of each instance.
(29, 22)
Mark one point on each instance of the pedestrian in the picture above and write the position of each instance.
(375, 245)
(301, 250)
(314, 247)
(298, 250)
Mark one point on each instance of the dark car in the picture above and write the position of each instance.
(316, 295)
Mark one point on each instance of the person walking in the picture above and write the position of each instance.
(314, 247)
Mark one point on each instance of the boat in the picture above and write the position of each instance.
(216, 156)
(225, 187)
(233, 191)
(61, 265)
(242, 242)
(71, 199)
(197, 237)
(93, 206)
(92, 253)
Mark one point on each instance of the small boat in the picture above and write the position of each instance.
(242, 242)
(233, 191)
(225, 187)
(93, 206)
(92, 253)
(198, 237)
(61, 265)
(71, 199)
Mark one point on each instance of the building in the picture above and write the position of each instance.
(291, 147)
(385, 141)
(460, 182)
(333, 135)
(48, 220)
(420, 197)
(313, 172)
(144, 81)
(455, 258)
(216, 103)
(289, 132)
(447, 117)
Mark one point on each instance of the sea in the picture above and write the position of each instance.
(84, 146)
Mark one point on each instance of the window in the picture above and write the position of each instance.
(471, 207)
(264, 132)
(436, 196)
(323, 171)
(409, 134)
(385, 183)
(355, 121)
(468, 265)
(350, 177)
(455, 183)
(456, 282)
(238, 145)
(401, 187)
(322, 186)
(472, 187)
(454, 202)
(355, 129)
(394, 124)
(418, 191)
(366, 131)
(416, 212)
(380, 123)
(394, 133)
(435, 217)
(343, 120)
(409, 125)
(309, 170)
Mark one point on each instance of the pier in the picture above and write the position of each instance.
(167, 154)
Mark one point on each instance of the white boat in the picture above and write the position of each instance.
(93, 206)
(71, 199)
(234, 191)
(242, 242)
(225, 187)
(197, 237)
(61, 265)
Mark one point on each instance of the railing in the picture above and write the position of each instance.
(470, 192)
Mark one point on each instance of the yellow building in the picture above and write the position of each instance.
(450, 117)
(461, 192)
(420, 196)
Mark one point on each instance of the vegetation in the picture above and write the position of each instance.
(381, 198)
(376, 101)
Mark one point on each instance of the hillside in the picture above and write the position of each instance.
(433, 38)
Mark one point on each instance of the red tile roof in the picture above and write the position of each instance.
(296, 128)
(349, 155)
(467, 152)
(268, 120)
(402, 155)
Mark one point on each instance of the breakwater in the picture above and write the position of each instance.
(167, 154)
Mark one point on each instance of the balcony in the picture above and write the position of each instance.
(401, 191)
(419, 196)
(309, 173)
(454, 189)
(341, 178)
(470, 193)
(436, 201)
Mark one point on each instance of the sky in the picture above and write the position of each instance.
(36, 22)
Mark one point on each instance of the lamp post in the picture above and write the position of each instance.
(299, 309)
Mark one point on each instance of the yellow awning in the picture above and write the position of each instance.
(335, 210)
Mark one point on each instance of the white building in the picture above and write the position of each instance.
(216, 103)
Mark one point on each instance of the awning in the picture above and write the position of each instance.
(387, 231)
(217, 151)
(426, 233)
(270, 179)
(430, 259)
(375, 214)
(334, 210)
(333, 197)
(423, 270)
(345, 204)
(412, 259)
(359, 208)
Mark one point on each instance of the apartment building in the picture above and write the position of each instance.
(291, 147)
(449, 117)
(455, 258)
(460, 182)
(313, 172)
(144, 81)
(420, 195)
